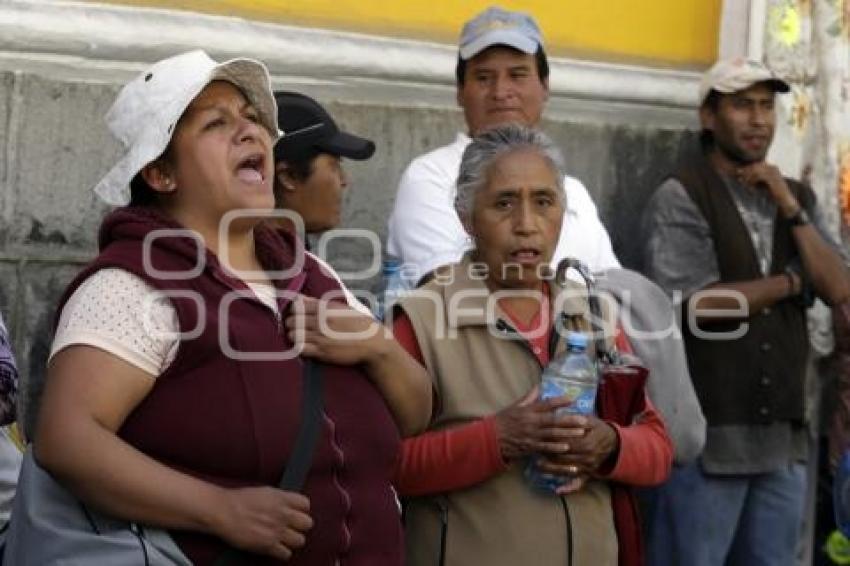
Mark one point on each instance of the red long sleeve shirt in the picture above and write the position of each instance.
(458, 457)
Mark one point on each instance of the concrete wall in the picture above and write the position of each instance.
(54, 147)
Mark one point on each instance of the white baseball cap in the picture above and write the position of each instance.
(147, 109)
(736, 74)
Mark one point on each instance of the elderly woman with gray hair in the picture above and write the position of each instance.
(484, 329)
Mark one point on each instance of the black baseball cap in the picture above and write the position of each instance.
(308, 128)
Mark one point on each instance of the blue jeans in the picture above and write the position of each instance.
(704, 520)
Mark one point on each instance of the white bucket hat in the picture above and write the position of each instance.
(147, 109)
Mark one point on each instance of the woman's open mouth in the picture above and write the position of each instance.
(251, 169)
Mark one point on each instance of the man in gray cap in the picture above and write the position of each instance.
(746, 251)
(502, 76)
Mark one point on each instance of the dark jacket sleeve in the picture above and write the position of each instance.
(8, 378)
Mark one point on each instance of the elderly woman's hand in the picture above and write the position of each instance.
(529, 426)
(593, 445)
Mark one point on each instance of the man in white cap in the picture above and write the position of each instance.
(502, 76)
(747, 251)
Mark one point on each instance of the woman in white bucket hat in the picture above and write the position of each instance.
(175, 387)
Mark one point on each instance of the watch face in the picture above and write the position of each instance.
(800, 219)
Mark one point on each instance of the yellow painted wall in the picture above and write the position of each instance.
(677, 32)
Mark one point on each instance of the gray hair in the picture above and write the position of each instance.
(492, 144)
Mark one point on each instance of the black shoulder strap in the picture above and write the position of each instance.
(311, 418)
(301, 459)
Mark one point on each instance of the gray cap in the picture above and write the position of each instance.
(495, 26)
(733, 75)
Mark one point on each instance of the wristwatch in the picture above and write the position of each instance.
(800, 218)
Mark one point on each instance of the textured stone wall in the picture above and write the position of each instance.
(54, 147)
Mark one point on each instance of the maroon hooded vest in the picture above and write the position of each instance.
(233, 422)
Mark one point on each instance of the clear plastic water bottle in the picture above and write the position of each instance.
(573, 375)
(394, 284)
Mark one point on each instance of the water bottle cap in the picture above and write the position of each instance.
(577, 340)
(391, 265)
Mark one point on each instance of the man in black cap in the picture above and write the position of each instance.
(309, 177)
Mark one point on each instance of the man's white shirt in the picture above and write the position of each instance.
(425, 231)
